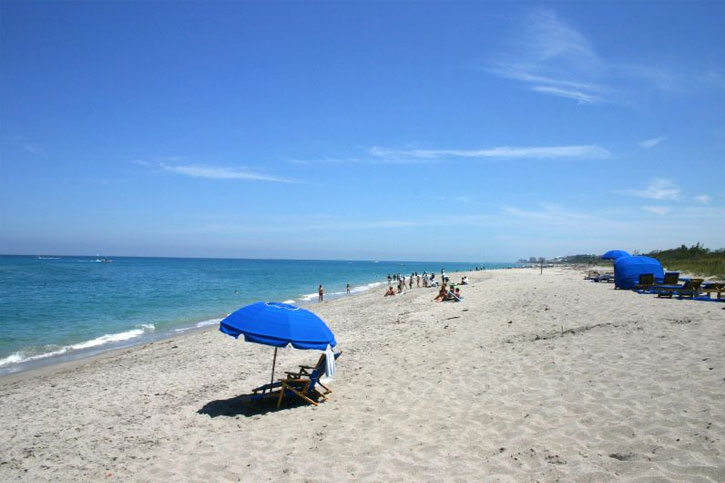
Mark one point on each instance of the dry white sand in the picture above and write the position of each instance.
(530, 378)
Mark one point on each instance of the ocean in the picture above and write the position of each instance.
(56, 308)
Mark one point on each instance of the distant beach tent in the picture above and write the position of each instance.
(615, 254)
(628, 269)
(279, 325)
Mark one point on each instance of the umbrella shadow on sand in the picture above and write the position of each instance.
(247, 405)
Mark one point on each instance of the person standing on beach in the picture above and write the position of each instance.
(347, 289)
(320, 293)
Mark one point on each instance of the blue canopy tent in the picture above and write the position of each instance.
(628, 269)
(279, 325)
(615, 254)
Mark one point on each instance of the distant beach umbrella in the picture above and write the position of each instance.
(279, 325)
(614, 254)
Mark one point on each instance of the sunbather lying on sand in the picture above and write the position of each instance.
(390, 292)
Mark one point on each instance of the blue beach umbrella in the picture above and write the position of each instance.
(279, 325)
(614, 254)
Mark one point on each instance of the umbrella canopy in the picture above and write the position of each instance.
(614, 254)
(279, 325)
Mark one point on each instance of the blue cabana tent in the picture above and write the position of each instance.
(615, 254)
(628, 269)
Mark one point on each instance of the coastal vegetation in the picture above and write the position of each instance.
(695, 259)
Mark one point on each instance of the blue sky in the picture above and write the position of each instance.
(439, 131)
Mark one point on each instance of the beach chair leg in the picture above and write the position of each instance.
(300, 394)
(281, 396)
(327, 389)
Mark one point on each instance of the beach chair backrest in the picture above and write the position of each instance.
(671, 278)
(319, 371)
(647, 279)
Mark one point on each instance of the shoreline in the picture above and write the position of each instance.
(39, 362)
(545, 377)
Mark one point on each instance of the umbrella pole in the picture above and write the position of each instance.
(274, 362)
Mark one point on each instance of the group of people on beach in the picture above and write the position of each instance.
(446, 292)
(404, 282)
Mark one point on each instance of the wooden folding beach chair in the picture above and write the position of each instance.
(305, 383)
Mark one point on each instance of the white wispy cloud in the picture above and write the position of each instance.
(577, 95)
(552, 57)
(704, 199)
(657, 210)
(374, 158)
(650, 143)
(590, 151)
(658, 189)
(218, 172)
(334, 224)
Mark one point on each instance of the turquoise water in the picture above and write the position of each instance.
(53, 308)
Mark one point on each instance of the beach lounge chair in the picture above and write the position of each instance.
(671, 278)
(691, 289)
(592, 275)
(605, 277)
(646, 282)
(713, 287)
(304, 384)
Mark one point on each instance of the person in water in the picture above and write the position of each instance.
(347, 289)
(320, 293)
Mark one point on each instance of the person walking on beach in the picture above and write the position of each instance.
(347, 289)
(320, 293)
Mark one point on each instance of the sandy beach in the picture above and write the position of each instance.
(531, 378)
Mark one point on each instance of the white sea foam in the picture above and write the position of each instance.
(364, 288)
(107, 339)
(198, 325)
(288, 301)
(206, 323)
(308, 297)
(20, 357)
(148, 327)
(12, 359)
